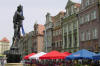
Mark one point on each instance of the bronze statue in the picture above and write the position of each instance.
(17, 21)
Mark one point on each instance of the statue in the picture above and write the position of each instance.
(17, 21)
(13, 55)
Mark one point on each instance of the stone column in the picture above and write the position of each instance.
(72, 37)
(77, 34)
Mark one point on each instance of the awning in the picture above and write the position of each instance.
(53, 55)
(27, 56)
(36, 56)
(96, 57)
(67, 53)
(81, 54)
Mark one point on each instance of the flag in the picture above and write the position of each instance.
(23, 32)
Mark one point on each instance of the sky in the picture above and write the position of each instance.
(34, 10)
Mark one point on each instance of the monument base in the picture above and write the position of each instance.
(12, 58)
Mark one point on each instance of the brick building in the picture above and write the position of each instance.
(38, 38)
(57, 31)
(32, 41)
(89, 27)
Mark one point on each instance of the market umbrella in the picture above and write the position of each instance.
(96, 57)
(81, 54)
(53, 55)
(67, 53)
(36, 56)
(27, 56)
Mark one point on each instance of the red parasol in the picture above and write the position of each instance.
(53, 55)
(67, 53)
(27, 57)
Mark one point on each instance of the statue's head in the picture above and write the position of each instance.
(20, 8)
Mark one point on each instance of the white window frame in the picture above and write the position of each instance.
(93, 15)
(72, 9)
(82, 20)
(82, 36)
(88, 17)
(87, 3)
(95, 33)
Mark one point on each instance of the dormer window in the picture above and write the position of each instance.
(72, 9)
(87, 3)
(67, 14)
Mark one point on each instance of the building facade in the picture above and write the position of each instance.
(57, 31)
(25, 44)
(89, 16)
(32, 42)
(70, 27)
(4, 45)
(38, 38)
(48, 33)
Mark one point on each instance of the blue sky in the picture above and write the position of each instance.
(34, 10)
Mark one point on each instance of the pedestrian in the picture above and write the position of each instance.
(2, 62)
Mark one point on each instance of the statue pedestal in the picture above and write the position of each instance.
(13, 56)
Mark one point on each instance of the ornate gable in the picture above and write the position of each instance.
(69, 3)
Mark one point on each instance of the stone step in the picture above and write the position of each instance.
(14, 64)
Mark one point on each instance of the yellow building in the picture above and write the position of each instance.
(4, 45)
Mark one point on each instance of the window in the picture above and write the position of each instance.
(61, 31)
(95, 33)
(70, 41)
(93, 15)
(82, 36)
(57, 32)
(88, 35)
(75, 25)
(87, 19)
(59, 44)
(87, 3)
(55, 44)
(81, 20)
(67, 13)
(82, 5)
(75, 40)
(69, 27)
(92, 1)
(65, 39)
(65, 29)
(54, 33)
(72, 10)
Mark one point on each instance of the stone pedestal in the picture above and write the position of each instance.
(13, 56)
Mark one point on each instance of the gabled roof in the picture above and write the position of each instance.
(58, 16)
(41, 28)
(69, 3)
(4, 40)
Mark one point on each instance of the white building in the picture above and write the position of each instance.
(4, 45)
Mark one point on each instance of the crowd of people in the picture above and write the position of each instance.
(60, 62)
